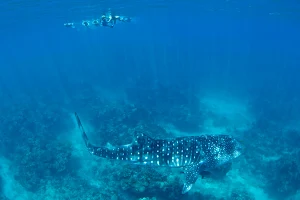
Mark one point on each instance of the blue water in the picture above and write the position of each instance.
(179, 68)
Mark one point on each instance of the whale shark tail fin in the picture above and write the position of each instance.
(99, 151)
(83, 134)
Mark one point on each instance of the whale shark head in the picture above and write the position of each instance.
(218, 150)
(226, 150)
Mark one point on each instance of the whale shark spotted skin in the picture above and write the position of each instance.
(195, 154)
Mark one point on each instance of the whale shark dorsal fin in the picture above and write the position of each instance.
(109, 146)
(141, 138)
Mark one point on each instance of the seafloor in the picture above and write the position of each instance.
(44, 157)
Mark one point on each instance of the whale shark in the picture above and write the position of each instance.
(194, 154)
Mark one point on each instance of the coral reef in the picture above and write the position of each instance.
(37, 164)
(283, 176)
(241, 194)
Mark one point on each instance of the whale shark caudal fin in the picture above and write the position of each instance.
(118, 153)
(83, 134)
(98, 151)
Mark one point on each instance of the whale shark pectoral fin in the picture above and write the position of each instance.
(186, 187)
(191, 176)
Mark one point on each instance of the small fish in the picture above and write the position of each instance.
(196, 154)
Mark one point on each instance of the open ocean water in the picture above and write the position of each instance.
(168, 69)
